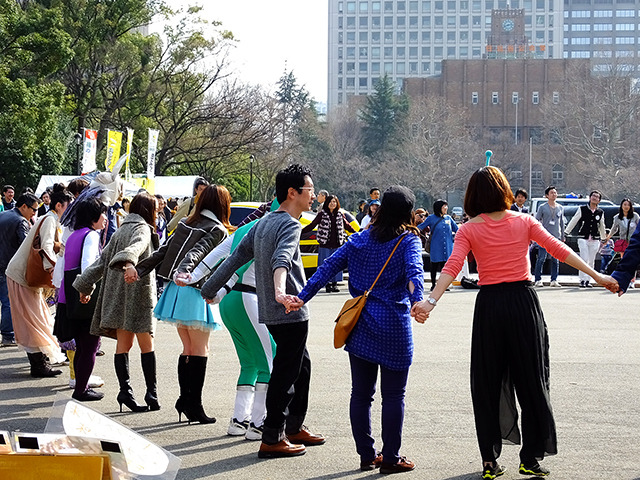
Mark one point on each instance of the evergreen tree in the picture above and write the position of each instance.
(383, 118)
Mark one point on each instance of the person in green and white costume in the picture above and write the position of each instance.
(254, 345)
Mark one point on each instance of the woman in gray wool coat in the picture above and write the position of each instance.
(124, 311)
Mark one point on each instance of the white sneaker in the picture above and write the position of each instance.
(539, 283)
(94, 382)
(254, 433)
(237, 428)
(556, 284)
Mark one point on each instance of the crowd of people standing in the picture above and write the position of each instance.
(252, 279)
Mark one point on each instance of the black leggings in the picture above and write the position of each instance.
(435, 268)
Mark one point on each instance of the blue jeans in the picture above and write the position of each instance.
(555, 265)
(6, 325)
(393, 384)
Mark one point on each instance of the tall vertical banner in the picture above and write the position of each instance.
(151, 153)
(89, 148)
(127, 171)
(114, 143)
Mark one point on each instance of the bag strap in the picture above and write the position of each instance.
(366, 293)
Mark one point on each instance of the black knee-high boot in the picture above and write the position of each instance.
(197, 367)
(148, 361)
(183, 382)
(121, 364)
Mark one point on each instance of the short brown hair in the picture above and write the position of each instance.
(145, 205)
(488, 191)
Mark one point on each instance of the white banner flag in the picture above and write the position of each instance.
(151, 153)
(89, 150)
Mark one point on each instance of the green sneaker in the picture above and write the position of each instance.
(489, 472)
(535, 470)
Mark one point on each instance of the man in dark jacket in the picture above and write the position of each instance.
(14, 227)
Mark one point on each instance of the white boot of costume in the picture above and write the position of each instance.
(242, 410)
(258, 412)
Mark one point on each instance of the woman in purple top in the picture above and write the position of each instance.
(383, 337)
(82, 249)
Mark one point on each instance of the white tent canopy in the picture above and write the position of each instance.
(166, 186)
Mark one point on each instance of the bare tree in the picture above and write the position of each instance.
(438, 151)
(596, 121)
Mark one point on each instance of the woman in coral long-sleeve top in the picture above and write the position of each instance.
(509, 346)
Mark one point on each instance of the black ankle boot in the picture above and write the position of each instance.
(148, 361)
(197, 367)
(40, 367)
(121, 364)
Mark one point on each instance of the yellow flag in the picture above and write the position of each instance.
(114, 142)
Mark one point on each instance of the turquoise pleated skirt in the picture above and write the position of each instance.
(185, 306)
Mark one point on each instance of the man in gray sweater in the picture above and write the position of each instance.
(551, 215)
(274, 244)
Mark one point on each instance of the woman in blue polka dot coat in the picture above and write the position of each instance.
(383, 337)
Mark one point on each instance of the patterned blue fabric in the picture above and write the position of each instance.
(441, 236)
(384, 334)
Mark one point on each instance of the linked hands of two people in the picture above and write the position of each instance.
(291, 302)
(421, 311)
(130, 274)
(610, 284)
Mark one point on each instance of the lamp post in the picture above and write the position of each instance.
(78, 139)
(251, 159)
(516, 99)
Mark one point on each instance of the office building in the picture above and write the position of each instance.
(606, 31)
(410, 38)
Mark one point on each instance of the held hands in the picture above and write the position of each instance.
(182, 279)
(130, 274)
(291, 302)
(421, 310)
(609, 283)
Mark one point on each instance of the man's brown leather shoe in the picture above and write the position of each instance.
(305, 437)
(281, 449)
(371, 464)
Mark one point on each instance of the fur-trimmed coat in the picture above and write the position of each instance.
(120, 305)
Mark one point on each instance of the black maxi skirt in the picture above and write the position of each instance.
(509, 356)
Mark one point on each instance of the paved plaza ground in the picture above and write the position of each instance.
(595, 375)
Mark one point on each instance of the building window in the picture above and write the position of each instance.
(495, 98)
(351, 82)
(557, 175)
(413, 67)
(375, 68)
(535, 98)
(351, 67)
(363, 22)
(515, 177)
(426, 67)
(375, 37)
(364, 7)
(555, 136)
(400, 68)
(537, 178)
(362, 68)
(351, 22)
(351, 52)
(388, 52)
(536, 135)
(362, 82)
(474, 98)
(351, 7)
